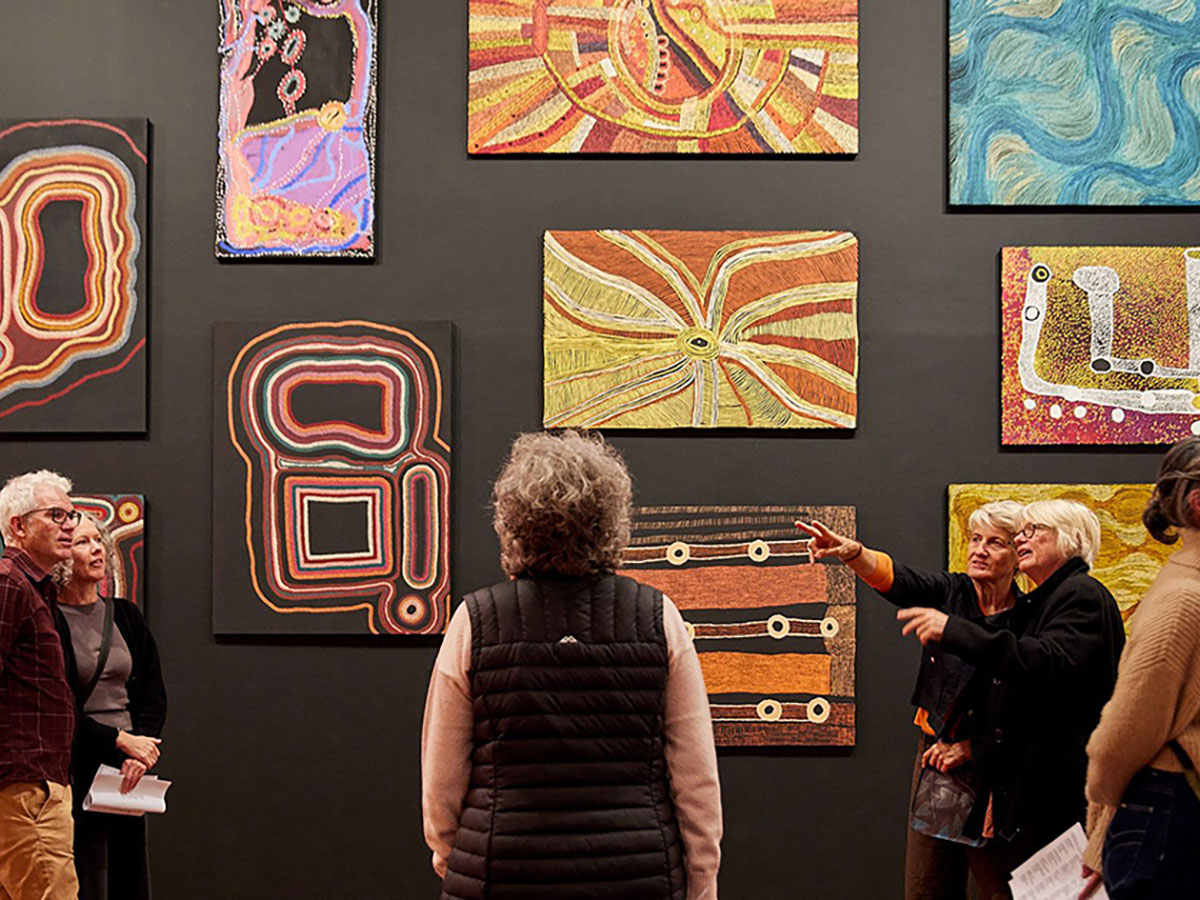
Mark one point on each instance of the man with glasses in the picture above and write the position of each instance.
(37, 707)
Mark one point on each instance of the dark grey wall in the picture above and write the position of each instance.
(296, 764)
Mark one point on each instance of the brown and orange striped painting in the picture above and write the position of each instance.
(700, 329)
(775, 632)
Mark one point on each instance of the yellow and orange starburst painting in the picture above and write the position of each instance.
(663, 76)
(700, 329)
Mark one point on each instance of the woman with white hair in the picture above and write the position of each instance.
(1048, 676)
(940, 850)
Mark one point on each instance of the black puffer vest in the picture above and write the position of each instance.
(569, 798)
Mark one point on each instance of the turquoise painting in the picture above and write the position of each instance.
(1075, 102)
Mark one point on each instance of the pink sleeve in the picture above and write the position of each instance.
(692, 759)
(446, 740)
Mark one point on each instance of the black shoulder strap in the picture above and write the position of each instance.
(102, 660)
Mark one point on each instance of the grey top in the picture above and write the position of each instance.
(109, 702)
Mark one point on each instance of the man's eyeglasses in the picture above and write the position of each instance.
(58, 515)
(1033, 528)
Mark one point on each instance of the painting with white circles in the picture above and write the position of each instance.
(773, 629)
(1101, 345)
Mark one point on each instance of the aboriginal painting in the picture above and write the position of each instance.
(73, 275)
(1101, 345)
(1074, 102)
(331, 471)
(124, 515)
(774, 631)
(663, 76)
(296, 135)
(1128, 560)
(700, 329)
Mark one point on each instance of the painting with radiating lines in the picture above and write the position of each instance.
(296, 135)
(774, 630)
(1129, 558)
(124, 515)
(73, 275)
(700, 329)
(1101, 345)
(1074, 102)
(331, 478)
(663, 76)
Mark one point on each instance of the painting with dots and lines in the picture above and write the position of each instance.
(774, 631)
(700, 329)
(73, 275)
(296, 134)
(331, 478)
(1101, 345)
(663, 76)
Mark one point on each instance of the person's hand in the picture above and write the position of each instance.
(826, 543)
(131, 773)
(929, 624)
(1092, 880)
(142, 748)
(944, 757)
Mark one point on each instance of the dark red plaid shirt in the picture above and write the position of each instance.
(37, 709)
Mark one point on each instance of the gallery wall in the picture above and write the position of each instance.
(296, 760)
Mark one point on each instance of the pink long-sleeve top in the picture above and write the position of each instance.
(691, 756)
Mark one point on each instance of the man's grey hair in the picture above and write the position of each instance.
(18, 496)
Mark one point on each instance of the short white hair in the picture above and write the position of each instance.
(1077, 527)
(999, 515)
(18, 496)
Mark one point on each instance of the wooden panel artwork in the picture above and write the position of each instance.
(775, 632)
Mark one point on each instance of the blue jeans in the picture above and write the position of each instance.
(1152, 849)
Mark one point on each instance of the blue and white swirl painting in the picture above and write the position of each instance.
(1075, 102)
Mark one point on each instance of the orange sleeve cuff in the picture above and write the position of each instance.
(883, 574)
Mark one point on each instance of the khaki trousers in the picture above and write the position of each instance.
(36, 836)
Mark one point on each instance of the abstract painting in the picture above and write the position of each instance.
(1101, 345)
(73, 275)
(663, 76)
(775, 632)
(331, 470)
(1074, 102)
(296, 137)
(124, 515)
(700, 329)
(1128, 559)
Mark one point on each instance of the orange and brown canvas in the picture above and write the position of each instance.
(1129, 558)
(774, 630)
(700, 329)
(663, 76)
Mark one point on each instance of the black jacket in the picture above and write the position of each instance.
(96, 743)
(1048, 678)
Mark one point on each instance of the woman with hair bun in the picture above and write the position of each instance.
(567, 751)
(1143, 800)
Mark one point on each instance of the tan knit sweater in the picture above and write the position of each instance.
(1157, 696)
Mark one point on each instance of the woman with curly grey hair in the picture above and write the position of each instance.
(567, 750)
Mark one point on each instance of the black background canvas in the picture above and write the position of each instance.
(296, 760)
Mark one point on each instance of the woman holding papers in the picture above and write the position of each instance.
(1143, 806)
(112, 663)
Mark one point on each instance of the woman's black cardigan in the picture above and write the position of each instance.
(96, 743)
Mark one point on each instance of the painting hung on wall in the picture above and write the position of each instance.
(700, 329)
(1074, 102)
(73, 275)
(1128, 559)
(331, 478)
(663, 76)
(296, 136)
(124, 515)
(775, 631)
(1101, 345)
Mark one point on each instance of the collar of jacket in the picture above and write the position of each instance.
(1051, 584)
(23, 561)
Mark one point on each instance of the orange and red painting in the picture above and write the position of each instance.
(700, 329)
(775, 632)
(663, 76)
